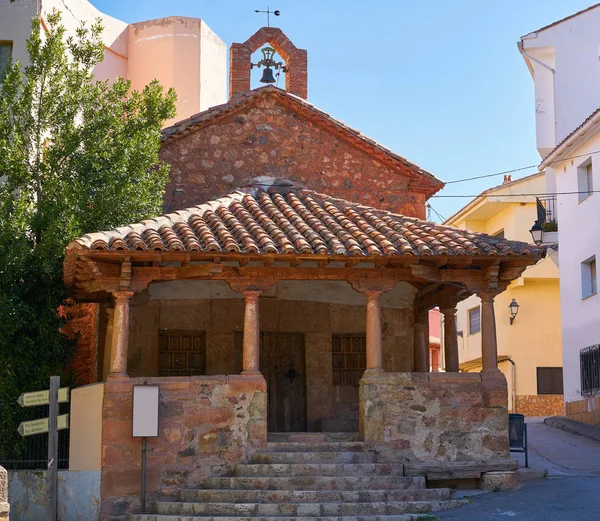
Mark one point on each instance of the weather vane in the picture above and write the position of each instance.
(269, 13)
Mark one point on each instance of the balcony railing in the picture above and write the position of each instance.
(546, 213)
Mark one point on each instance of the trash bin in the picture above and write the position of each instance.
(517, 435)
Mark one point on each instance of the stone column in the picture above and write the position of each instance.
(374, 342)
(120, 335)
(489, 347)
(421, 342)
(251, 353)
(110, 314)
(4, 506)
(450, 340)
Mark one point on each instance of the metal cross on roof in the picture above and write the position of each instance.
(269, 13)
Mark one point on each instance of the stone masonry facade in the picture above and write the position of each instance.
(267, 140)
(207, 423)
(540, 405)
(435, 418)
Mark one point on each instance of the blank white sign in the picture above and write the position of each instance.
(145, 411)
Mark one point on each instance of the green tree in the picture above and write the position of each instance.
(76, 156)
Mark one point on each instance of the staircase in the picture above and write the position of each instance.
(301, 476)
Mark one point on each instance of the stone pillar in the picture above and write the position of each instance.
(421, 342)
(4, 506)
(251, 353)
(120, 335)
(374, 342)
(489, 347)
(450, 340)
(110, 314)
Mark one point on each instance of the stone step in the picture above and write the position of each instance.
(326, 446)
(163, 517)
(313, 496)
(350, 482)
(313, 437)
(314, 457)
(302, 509)
(319, 469)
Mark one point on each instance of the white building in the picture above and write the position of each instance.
(180, 52)
(564, 60)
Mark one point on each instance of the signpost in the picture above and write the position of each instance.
(51, 425)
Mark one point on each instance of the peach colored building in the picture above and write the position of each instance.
(181, 52)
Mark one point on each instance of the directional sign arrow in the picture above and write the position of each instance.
(42, 397)
(40, 426)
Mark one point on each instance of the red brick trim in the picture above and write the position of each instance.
(296, 79)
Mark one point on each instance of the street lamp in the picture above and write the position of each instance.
(537, 233)
(514, 310)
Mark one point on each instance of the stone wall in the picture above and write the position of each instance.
(541, 405)
(4, 506)
(78, 495)
(441, 418)
(222, 318)
(206, 424)
(586, 410)
(269, 140)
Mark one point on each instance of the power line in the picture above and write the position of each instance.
(543, 194)
(431, 208)
(519, 169)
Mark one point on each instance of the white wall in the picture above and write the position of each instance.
(579, 238)
(15, 25)
(567, 97)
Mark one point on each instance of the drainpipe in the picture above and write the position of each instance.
(514, 387)
(546, 66)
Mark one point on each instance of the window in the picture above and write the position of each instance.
(474, 320)
(589, 364)
(181, 353)
(588, 277)
(5, 54)
(499, 234)
(348, 358)
(549, 380)
(585, 180)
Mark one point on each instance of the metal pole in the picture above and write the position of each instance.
(52, 479)
(144, 474)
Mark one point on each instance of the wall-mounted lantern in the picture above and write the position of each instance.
(537, 233)
(514, 310)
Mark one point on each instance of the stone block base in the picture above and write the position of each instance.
(504, 480)
(540, 404)
(586, 410)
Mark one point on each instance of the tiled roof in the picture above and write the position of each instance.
(288, 220)
(299, 104)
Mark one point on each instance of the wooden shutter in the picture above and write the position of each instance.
(348, 358)
(590, 179)
(474, 320)
(181, 353)
(549, 380)
(5, 54)
(593, 283)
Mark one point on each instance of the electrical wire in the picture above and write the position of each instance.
(542, 194)
(520, 169)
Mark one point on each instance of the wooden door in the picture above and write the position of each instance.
(282, 363)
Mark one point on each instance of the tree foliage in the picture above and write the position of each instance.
(76, 156)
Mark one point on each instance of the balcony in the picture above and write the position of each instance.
(547, 219)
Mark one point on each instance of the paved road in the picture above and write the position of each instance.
(570, 493)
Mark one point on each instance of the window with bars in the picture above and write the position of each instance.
(474, 320)
(549, 380)
(349, 358)
(5, 55)
(589, 285)
(589, 365)
(181, 353)
(585, 180)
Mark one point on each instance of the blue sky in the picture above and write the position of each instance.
(441, 83)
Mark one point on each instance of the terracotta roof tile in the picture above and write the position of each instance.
(289, 220)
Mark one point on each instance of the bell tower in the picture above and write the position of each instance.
(296, 62)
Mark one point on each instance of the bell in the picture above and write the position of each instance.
(267, 76)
